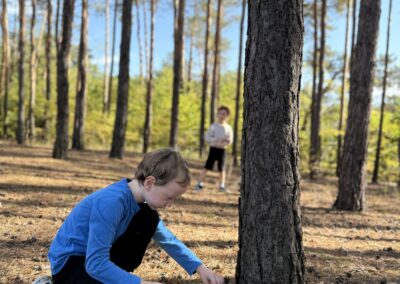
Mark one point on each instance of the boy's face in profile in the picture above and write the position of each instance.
(161, 196)
(222, 115)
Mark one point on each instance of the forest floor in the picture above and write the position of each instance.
(37, 193)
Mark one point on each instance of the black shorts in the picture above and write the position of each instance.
(216, 154)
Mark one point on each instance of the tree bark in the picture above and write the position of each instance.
(315, 143)
(214, 85)
(60, 150)
(177, 81)
(20, 133)
(270, 234)
(238, 87)
(5, 69)
(146, 38)
(352, 179)
(32, 69)
(204, 81)
(375, 174)
(149, 92)
(78, 138)
(106, 80)
(118, 142)
(139, 40)
(48, 70)
(353, 31)
(112, 57)
(57, 36)
(343, 90)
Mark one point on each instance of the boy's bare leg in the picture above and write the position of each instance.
(199, 185)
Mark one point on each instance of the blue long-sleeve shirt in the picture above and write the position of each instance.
(96, 222)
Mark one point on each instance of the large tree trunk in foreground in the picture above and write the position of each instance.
(352, 179)
(121, 115)
(270, 234)
(78, 137)
(60, 150)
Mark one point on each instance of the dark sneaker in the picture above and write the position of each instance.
(198, 187)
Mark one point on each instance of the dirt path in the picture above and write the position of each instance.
(37, 193)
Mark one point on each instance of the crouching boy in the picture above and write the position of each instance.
(106, 235)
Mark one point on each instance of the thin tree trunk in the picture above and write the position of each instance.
(190, 62)
(146, 37)
(149, 92)
(78, 138)
(20, 134)
(375, 174)
(118, 142)
(343, 90)
(315, 146)
(112, 56)
(32, 69)
(214, 85)
(177, 81)
(204, 81)
(60, 150)
(106, 80)
(57, 36)
(48, 70)
(352, 179)
(270, 233)
(5, 69)
(139, 41)
(238, 87)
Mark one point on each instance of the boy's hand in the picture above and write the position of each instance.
(208, 276)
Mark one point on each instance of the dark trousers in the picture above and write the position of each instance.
(126, 252)
(216, 154)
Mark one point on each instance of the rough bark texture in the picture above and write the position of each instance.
(60, 150)
(48, 70)
(5, 69)
(56, 35)
(352, 179)
(215, 79)
(149, 91)
(20, 133)
(177, 81)
(118, 142)
(238, 87)
(112, 56)
(315, 143)
(270, 234)
(204, 81)
(343, 90)
(78, 137)
(32, 71)
(375, 174)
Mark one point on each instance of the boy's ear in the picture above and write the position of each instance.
(149, 181)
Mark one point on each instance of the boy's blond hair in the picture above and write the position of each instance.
(165, 165)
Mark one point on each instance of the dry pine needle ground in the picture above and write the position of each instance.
(37, 193)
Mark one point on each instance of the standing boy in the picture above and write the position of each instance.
(219, 135)
(106, 235)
